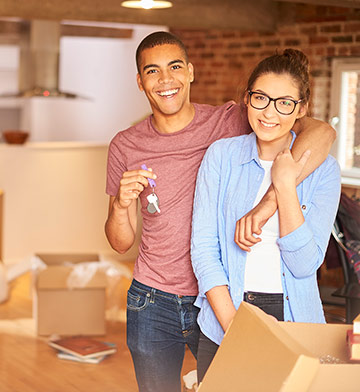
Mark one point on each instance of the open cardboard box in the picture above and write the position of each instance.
(61, 310)
(260, 354)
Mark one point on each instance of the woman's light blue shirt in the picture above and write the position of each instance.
(227, 184)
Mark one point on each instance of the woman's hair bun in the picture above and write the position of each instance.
(290, 61)
(297, 56)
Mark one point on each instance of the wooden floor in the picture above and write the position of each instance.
(28, 364)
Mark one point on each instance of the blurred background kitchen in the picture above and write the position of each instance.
(68, 78)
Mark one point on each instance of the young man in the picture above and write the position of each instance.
(161, 318)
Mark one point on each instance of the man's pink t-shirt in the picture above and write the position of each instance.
(164, 253)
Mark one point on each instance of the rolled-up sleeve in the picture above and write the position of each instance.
(205, 246)
(303, 250)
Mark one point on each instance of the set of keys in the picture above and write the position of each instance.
(153, 200)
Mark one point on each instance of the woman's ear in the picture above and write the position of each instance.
(303, 110)
(246, 97)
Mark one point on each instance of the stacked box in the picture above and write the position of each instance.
(60, 309)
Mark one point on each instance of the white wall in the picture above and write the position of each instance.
(10, 110)
(9, 62)
(54, 199)
(102, 71)
(55, 193)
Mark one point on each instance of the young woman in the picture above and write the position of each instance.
(278, 273)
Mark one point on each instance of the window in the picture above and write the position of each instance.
(345, 115)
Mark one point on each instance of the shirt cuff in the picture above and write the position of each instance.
(212, 281)
(295, 240)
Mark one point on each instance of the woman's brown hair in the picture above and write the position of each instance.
(292, 62)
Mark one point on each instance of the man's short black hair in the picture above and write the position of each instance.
(156, 39)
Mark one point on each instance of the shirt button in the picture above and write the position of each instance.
(283, 273)
(287, 298)
(303, 207)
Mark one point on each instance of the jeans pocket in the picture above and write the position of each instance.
(137, 300)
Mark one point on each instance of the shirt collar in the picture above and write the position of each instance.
(250, 151)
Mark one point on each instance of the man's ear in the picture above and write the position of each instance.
(191, 71)
(139, 82)
(303, 110)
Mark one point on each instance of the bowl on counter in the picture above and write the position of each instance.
(15, 136)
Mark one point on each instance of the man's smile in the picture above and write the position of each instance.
(168, 93)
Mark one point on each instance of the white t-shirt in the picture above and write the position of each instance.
(262, 270)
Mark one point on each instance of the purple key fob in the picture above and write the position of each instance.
(151, 181)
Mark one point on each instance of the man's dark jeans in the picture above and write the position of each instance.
(159, 325)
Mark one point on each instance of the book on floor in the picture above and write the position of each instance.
(353, 342)
(83, 347)
(70, 357)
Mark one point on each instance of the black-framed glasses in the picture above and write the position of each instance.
(284, 106)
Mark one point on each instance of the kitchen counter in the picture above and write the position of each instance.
(52, 145)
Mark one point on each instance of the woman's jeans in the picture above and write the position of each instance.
(159, 325)
(272, 304)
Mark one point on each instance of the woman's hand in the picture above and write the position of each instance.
(285, 170)
(284, 173)
(248, 228)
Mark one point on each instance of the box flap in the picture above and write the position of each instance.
(320, 339)
(258, 355)
(56, 277)
(337, 378)
(302, 375)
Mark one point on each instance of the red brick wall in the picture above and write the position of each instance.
(224, 59)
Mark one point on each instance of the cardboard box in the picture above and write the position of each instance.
(58, 309)
(260, 354)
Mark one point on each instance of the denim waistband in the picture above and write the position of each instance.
(270, 303)
(264, 295)
(254, 296)
(148, 289)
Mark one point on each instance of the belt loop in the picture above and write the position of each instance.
(152, 296)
